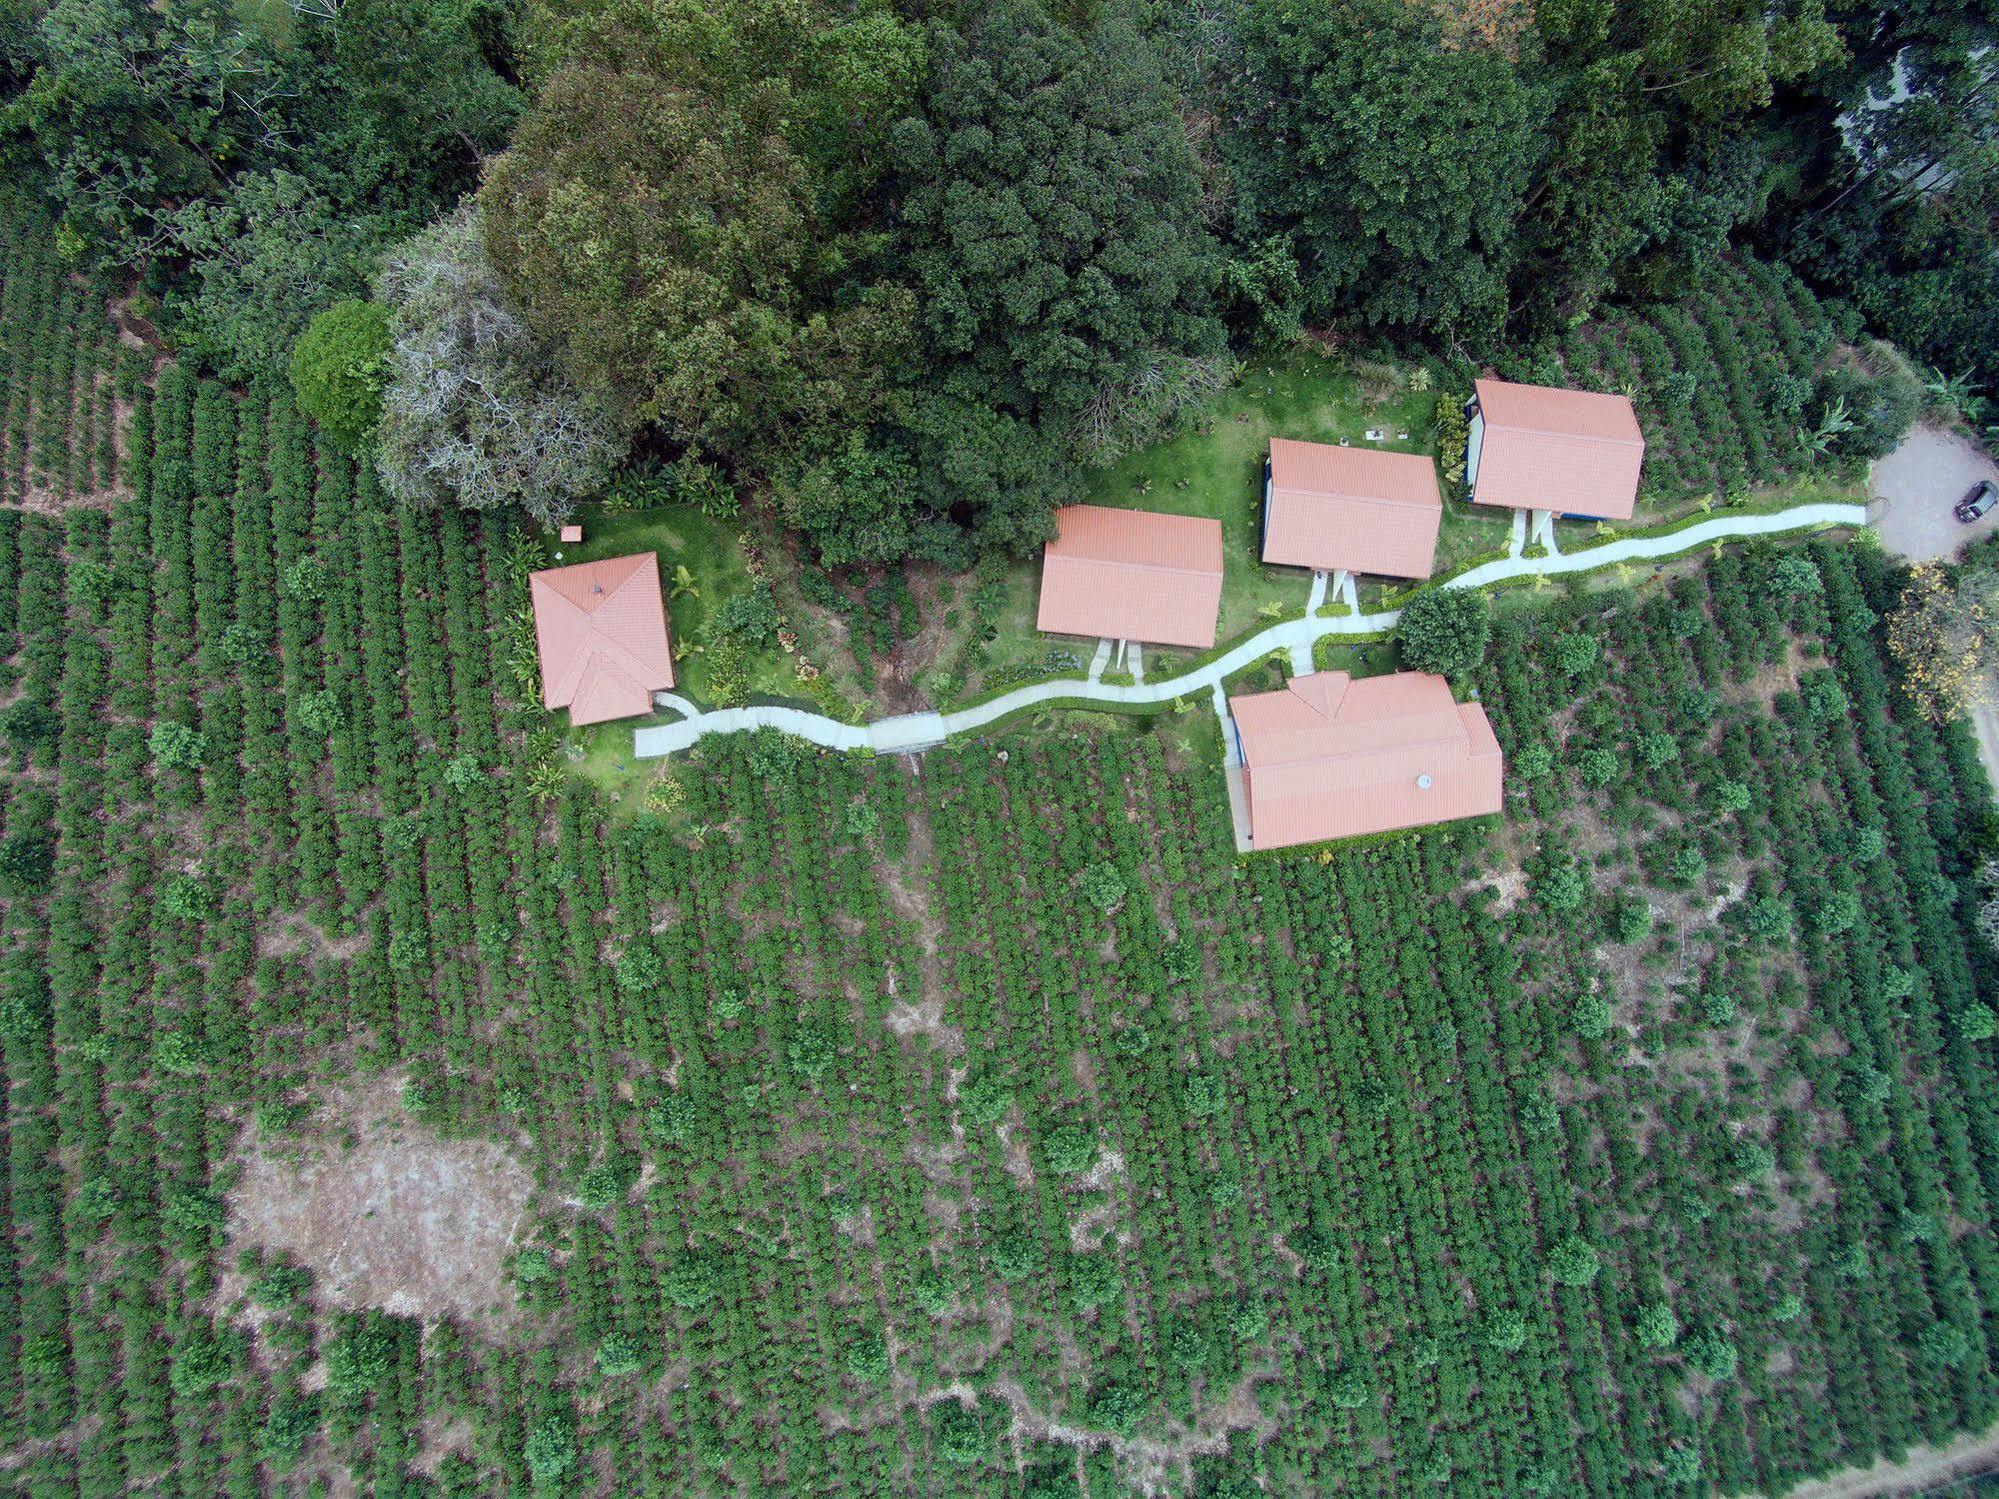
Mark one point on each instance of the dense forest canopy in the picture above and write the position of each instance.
(901, 270)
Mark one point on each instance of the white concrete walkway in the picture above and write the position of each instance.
(914, 731)
(1102, 659)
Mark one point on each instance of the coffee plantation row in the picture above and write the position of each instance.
(974, 1124)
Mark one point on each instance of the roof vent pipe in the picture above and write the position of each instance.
(1422, 783)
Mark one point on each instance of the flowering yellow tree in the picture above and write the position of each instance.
(1940, 635)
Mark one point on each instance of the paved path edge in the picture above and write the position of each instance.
(907, 732)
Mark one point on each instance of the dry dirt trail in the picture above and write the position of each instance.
(1926, 1470)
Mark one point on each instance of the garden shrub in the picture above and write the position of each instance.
(1444, 630)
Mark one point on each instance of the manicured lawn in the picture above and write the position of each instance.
(1215, 469)
(711, 551)
(1827, 487)
(1470, 531)
(606, 758)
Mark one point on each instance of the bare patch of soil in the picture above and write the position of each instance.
(1154, 1465)
(1771, 680)
(1511, 885)
(402, 1219)
(904, 881)
(293, 934)
(895, 674)
(1090, 1227)
(442, 1439)
(1014, 1146)
(135, 332)
(1731, 893)
(925, 1019)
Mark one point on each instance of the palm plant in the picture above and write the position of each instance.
(1833, 423)
(1956, 393)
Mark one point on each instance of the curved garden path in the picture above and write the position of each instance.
(913, 731)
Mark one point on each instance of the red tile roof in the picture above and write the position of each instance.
(601, 630)
(1132, 575)
(1353, 508)
(1575, 451)
(1331, 757)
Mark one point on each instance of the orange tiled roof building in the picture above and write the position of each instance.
(1571, 452)
(600, 629)
(1330, 756)
(1134, 575)
(1355, 510)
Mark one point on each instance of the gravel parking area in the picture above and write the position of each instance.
(1915, 488)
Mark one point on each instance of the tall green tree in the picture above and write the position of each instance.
(1050, 217)
(126, 110)
(1655, 153)
(1397, 159)
(474, 410)
(662, 215)
(1904, 216)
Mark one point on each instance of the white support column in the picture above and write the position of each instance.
(1317, 596)
(1344, 590)
(1544, 531)
(1518, 539)
(1099, 661)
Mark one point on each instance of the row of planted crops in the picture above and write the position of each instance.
(975, 1124)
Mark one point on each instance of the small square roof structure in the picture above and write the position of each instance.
(570, 534)
(600, 628)
(1574, 451)
(1132, 575)
(1357, 510)
(1328, 756)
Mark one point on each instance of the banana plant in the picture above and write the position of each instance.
(545, 781)
(1957, 392)
(1833, 422)
(524, 554)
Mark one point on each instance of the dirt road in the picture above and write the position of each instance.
(1985, 724)
(1924, 1471)
(1915, 487)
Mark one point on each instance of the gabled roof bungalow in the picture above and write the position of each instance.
(1331, 756)
(1570, 452)
(1353, 510)
(601, 631)
(1134, 575)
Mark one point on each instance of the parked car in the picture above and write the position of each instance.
(1984, 495)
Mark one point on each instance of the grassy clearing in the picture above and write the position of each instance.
(717, 568)
(1214, 468)
(1827, 487)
